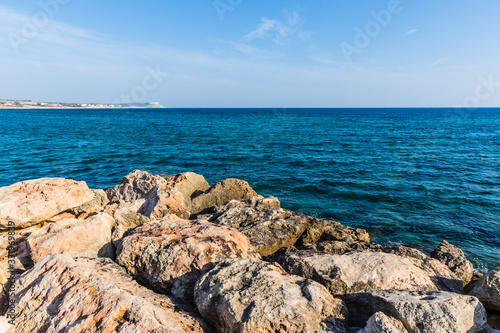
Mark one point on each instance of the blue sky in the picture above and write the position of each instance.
(242, 53)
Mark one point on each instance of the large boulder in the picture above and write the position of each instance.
(368, 271)
(31, 202)
(135, 186)
(89, 238)
(170, 255)
(381, 323)
(222, 192)
(188, 183)
(61, 294)
(250, 295)
(455, 259)
(432, 312)
(162, 201)
(487, 289)
(267, 226)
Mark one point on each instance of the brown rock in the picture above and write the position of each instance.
(64, 295)
(134, 186)
(487, 289)
(267, 226)
(320, 230)
(89, 238)
(368, 271)
(249, 295)
(170, 255)
(455, 259)
(30, 202)
(220, 193)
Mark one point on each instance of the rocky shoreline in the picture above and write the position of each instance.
(175, 254)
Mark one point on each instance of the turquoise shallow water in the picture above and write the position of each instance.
(411, 176)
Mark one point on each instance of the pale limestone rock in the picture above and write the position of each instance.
(89, 238)
(368, 271)
(250, 295)
(188, 183)
(30, 202)
(61, 294)
(433, 311)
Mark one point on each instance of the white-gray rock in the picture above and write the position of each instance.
(250, 295)
(487, 289)
(432, 311)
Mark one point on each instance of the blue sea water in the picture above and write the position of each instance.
(409, 176)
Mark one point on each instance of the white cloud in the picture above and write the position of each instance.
(263, 28)
(278, 30)
(440, 61)
(410, 32)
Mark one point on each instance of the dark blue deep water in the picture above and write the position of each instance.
(411, 176)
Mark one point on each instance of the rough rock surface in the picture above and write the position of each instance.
(368, 271)
(30, 202)
(455, 259)
(134, 186)
(170, 255)
(320, 230)
(64, 295)
(487, 289)
(249, 295)
(267, 226)
(95, 205)
(188, 183)
(89, 238)
(162, 201)
(432, 312)
(126, 216)
(222, 192)
(380, 323)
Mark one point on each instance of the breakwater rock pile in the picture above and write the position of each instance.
(175, 254)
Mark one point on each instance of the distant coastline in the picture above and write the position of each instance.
(28, 104)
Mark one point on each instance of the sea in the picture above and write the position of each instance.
(409, 176)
